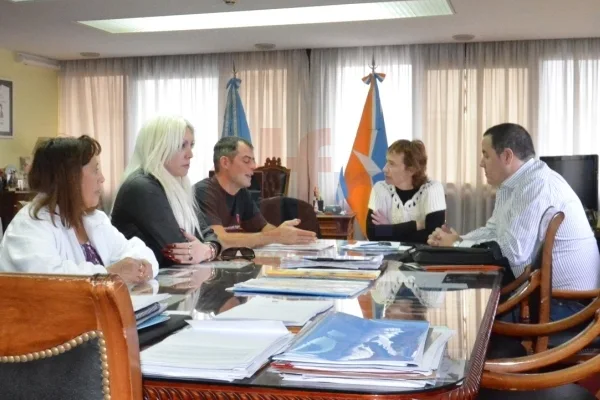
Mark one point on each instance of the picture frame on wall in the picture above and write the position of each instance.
(6, 109)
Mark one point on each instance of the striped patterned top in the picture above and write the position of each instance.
(516, 225)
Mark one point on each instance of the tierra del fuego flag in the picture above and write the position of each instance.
(368, 156)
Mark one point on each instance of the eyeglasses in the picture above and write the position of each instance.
(233, 253)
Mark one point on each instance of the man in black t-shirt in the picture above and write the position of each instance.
(228, 207)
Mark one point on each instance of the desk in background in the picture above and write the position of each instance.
(336, 226)
(9, 204)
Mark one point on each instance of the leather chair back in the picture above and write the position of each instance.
(279, 209)
(276, 178)
(67, 337)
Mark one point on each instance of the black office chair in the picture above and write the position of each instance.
(279, 209)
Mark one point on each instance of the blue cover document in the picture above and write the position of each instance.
(343, 339)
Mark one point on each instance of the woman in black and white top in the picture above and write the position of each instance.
(407, 206)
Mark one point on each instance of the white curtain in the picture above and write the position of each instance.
(441, 102)
(569, 109)
(111, 99)
(338, 98)
(275, 93)
(183, 85)
(463, 90)
(452, 93)
(447, 95)
(92, 102)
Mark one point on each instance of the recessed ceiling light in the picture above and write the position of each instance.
(463, 37)
(382, 10)
(264, 46)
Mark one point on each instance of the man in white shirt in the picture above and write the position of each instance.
(526, 189)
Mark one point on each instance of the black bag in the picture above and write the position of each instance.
(487, 253)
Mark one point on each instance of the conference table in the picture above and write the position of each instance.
(462, 298)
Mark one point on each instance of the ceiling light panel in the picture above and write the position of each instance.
(374, 11)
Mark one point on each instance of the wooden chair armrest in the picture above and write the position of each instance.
(514, 285)
(548, 357)
(518, 297)
(572, 295)
(511, 329)
(504, 381)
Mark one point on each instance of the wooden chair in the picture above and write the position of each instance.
(571, 328)
(276, 178)
(67, 337)
(532, 290)
(533, 294)
(279, 209)
(504, 376)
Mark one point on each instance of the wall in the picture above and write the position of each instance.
(35, 107)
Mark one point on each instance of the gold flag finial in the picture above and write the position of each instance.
(234, 70)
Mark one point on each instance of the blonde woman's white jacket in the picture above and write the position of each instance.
(39, 246)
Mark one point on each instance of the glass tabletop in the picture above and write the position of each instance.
(457, 300)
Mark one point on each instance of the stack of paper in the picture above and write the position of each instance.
(149, 309)
(300, 287)
(368, 247)
(290, 312)
(316, 273)
(342, 348)
(316, 246)
(231, 264)
(219, 350)
(334, 261)
(168, 277)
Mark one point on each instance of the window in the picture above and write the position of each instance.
(195, 98)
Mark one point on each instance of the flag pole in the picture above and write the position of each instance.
(373, 66)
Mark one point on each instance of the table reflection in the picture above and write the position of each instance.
(457, 300)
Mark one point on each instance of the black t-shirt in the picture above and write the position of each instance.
(235, 213)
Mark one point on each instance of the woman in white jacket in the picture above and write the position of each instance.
(61, 231)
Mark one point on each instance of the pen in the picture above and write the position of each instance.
(376, 244)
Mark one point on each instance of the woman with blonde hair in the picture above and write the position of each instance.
(407, 206)
(155, 201)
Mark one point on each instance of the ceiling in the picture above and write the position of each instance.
(48, 27)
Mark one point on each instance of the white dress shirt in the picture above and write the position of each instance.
(521, 202)
(40, 246)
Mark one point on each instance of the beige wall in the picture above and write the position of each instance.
(35, 107)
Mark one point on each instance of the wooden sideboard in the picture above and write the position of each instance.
(336, 226)
(10, 204)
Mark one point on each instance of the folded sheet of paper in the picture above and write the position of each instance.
(334, 261)
(290, 312)
(365, 246)
(300, 287)
(140, 301)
